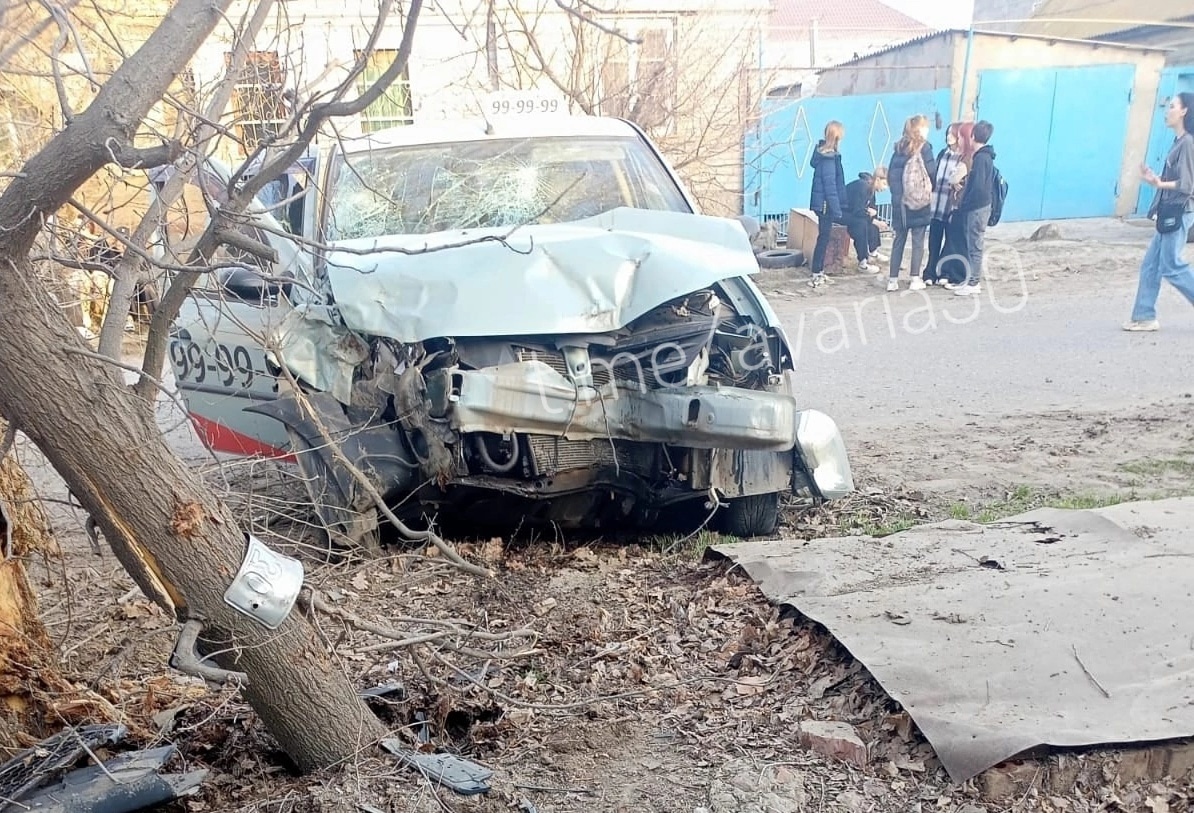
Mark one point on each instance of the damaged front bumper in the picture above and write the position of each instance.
(747, 441)
(531, 398)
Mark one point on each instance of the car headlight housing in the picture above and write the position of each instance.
(821, 446)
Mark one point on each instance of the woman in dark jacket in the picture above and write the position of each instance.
(911, 209)
(829, 193)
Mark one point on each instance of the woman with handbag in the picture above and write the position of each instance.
(1174, 212)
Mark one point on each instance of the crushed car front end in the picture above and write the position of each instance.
(596, 373)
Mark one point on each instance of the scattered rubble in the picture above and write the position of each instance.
(834, 740)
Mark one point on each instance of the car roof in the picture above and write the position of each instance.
(478, 129)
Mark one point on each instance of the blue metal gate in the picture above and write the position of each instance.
(1059, 137)
(1173, 80)
(776, 174)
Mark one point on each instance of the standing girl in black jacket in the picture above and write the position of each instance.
(829, 193)
(911, 205)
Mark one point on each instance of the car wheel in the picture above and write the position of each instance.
(756, 515)
(780, 258)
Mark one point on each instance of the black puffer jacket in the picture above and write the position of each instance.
(900, 218)
(860, 196)
(829, 183)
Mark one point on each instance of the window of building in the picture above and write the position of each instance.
(638, 79)
(258, 98)
(393, 107)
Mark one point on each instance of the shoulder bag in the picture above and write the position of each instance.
(1169, 217)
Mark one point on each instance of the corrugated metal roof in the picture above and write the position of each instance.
(1126, 35)
(840, 15)
(1000, 35)
(1082, 19)
(899, 46)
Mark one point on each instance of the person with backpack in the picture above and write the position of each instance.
(953, 162)
(829, 194)
(1173, 208)
(861, 212)
(973, 212)
(910, 175)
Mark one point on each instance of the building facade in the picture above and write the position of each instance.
(688, 72)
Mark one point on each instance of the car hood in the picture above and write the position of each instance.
(587, 276)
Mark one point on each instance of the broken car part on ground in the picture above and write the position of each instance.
(33, 780)
(529, 325)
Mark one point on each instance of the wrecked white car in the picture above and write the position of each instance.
(508, 325)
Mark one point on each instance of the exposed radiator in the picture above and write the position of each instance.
(551, 455)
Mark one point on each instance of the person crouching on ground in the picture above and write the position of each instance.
(829, 193)
(953, 162)
(861, 212)
(1173, 208)
(974, 208)
(910, 173)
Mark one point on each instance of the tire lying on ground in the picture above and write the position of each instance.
(780, 258)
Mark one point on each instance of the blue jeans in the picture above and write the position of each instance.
(1164, 259)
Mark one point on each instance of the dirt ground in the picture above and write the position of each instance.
(657, 681)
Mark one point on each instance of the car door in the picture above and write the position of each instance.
(217, 343)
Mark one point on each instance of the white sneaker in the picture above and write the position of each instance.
(817, 281)
(878, 258)
(863, 268)
(917, 284)
(1142, 327)
(967, 290)
(947, 285)
(893, 285)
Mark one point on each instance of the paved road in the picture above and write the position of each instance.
(870, 358)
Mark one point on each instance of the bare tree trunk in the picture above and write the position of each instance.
(167, 530)
(181, 545)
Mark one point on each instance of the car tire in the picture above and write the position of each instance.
(780, 258)
(746, 517)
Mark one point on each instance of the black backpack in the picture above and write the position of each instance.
(998, 196)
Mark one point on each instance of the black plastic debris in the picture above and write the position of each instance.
(35, 766)
(124, 784)
(460, 775)
(32, 780)
(393, 690)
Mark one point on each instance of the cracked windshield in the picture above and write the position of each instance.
(492, 184)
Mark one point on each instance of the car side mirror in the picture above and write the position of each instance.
(245, 283)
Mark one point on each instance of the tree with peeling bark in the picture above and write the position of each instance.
(181, 545)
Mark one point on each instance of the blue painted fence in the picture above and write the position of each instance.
(777, 176)
(1173, 80)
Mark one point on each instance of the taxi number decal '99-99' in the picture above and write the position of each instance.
(230, 366)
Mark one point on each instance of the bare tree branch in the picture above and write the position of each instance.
(578, 13)
(146, 158)
(167, 309)
(128, 269)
